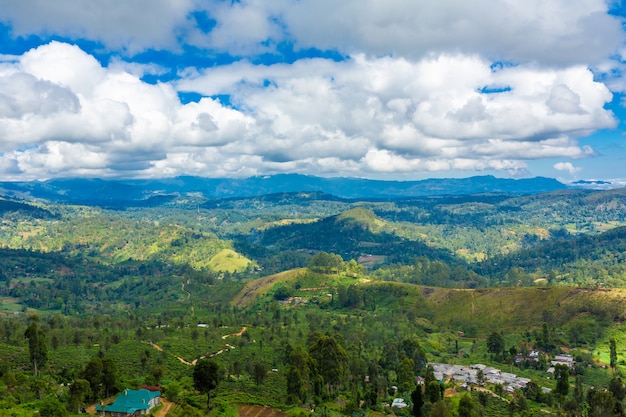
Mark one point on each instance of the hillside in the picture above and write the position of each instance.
(264, 285)
(475, 312)
(597, 260)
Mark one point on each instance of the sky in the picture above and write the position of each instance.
(381, 89)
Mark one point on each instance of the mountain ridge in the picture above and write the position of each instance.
(157, 191)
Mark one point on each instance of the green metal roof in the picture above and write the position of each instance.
(131, 400)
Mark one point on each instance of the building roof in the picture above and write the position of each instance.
(399, 403)
(131, 401)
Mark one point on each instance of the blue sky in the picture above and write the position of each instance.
(394, 89)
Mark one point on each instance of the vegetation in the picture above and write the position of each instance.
(313, 303)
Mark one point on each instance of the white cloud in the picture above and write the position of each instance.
(566, 166)
(555, 32)
(131, 26)
(426, 86)
(375, 115)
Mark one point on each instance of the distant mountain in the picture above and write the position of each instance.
(157, 191)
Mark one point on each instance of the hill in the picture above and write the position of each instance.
(307, 298)
(149, 193)
(588, 260)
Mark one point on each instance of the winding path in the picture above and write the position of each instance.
(219, 352)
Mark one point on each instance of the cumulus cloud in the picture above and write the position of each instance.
(567, 167)
(130, 26)
(556, 32)
(362, 115)
(423, 86)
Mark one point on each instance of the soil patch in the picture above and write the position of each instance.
(259, 411)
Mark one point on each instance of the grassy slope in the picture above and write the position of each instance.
(518, 308)
(260, 287)
(227, 260)
(502, 309)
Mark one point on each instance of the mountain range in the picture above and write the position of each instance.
(155, 191)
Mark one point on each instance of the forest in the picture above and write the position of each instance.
(307, 303)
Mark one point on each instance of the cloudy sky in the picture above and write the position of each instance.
(388, 89)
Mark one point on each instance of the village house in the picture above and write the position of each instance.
(563, 360)
(131, 403)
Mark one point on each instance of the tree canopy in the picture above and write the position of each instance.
(206, 378)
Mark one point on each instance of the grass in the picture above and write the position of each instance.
(10, 305)
(259, 287)
(517, 309)
(227, 260)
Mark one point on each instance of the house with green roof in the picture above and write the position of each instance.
(131, 403)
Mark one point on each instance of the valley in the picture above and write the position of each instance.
(307, 301)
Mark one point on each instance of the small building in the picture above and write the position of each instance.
(399, 403)
(131, 403)
(563, 360)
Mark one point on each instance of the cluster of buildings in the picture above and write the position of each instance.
(478, 375)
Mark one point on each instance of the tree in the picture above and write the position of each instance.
(37, 345)
(616, 386)
(441, 409)
(109, 376)
(260, 372)
(480, 377)
(433, 391)
(390, 359)
(412, 349)
(406, 377)
(495, 343)
(417, 398)
(79, 390)
(613, 354)
(518, 402)
(601, 403)
(546, 341)
(206, 378)
(51, 407)
(330, 359)
(297, 375)
(579, 395)
(561, 374)
(93, 375)
(326, 262)
(466, 405)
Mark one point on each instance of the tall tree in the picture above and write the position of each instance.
(109, 376)
(330, 359)
(297, 375)
(441, 409)
(417, 398)
(466, 405)
(617, 388)
(433, 392)
(206, 378)
(412, 349)
(406, 377)
(601, 403)
(561, 374)
(495, 343)
(613, 353)
(37, 345)
(79, 390)
(260, 372)
(93, 375)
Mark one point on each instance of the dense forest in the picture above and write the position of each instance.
(310, 303)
